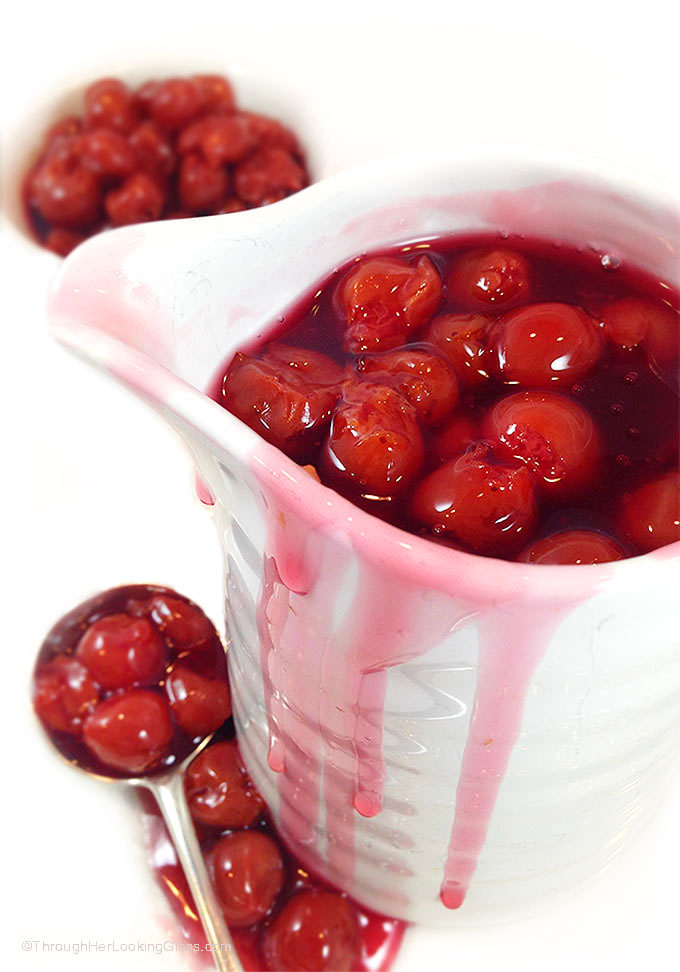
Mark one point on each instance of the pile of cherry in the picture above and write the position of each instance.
(126, 685)
(512, 399)
(167, 149)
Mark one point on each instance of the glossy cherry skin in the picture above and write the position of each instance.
(554, 436)
(573, 547)
(270, 133)
(66, 193)
(109, 104)
(64, 694)
(375, 446)
(107, 154)
(184, 625)
(216, 93)
(131, 731)
(119, 651)
(219, 791)
(456, 435)
(202, 186)
(220, 139)
(385, 298)
(62, 241)
(544, 345)
(175, 102)
(489, 278)
(249, 874)
(138, 200)
(650, 514)
(424, 379)
(199, 704)
(315, 931)
(152, 148)
(462, 339)
(287, 395)
(268, 175)
(487, 505)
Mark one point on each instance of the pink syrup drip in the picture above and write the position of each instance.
(203, 491)
(325, 669)
(509, 652)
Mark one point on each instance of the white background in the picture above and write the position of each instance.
(96, 492)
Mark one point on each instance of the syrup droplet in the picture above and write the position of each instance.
(631, 377)
(616, 408)
(623, 460)
(610, 262)
(633, 433)
(204, 492)
(577, 389)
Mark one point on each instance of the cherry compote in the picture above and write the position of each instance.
(166, 149)
(129, 682)
(513, 398)
(281, 917)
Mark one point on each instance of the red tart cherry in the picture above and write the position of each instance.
(219, 791)
(249, 874)
(221, 139)
(424, 379)
(119, 651)
(181, 623)
(107, 154)
(462, 339)
(216, 94)
(202, 187)
(553, 435)
(108, 104)
(385, 298)
(542, 345)
(175, 102)
(459, 432)
(62, 241)
(487, 505)
(573, 547)
(489, 278)
(138, 200)
(287, 395)
(662, 345)
(375, 445)
(199, 704)
(315, 931)
(232, 205)
(63, 130)
(65, 192)
(650, 514)
(64, 694)
(129, 732)
(268, 175)
(152, 149)
(627, 322)
(270, 133)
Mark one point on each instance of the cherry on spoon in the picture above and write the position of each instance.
(129, 687)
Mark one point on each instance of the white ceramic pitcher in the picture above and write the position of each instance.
(442, 735)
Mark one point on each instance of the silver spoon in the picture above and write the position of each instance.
(168, 791)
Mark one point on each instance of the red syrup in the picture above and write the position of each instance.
(373, 379)
(379, 937)
(552, 451)
(148, 642)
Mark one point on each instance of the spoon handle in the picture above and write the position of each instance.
(169, 794)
